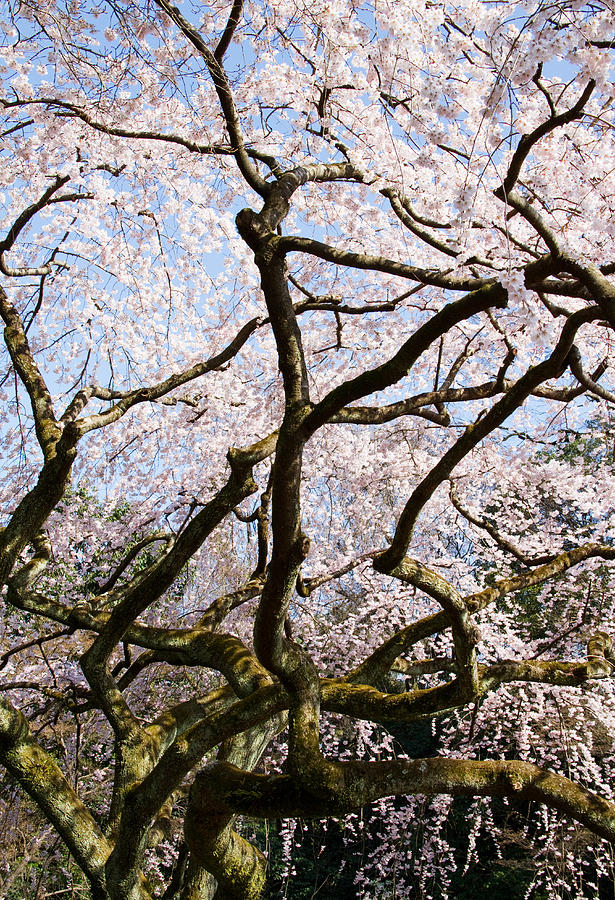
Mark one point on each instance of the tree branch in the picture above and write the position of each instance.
(38, 774)
(225, 96)
(529, 140)
(270, 796)
(474, 434)
(128, 399)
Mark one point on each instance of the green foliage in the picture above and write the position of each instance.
(589, 448)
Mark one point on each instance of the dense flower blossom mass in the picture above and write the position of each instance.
(306, 392)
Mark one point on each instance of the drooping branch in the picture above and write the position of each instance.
(374, 668)
(402, 209)
(465, 633)
(72, 110)
(589, 382)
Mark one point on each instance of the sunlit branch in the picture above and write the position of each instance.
(415, 668)
(217, 611)
(600, 656)
(561, 563)
(373, 669)
(435, 277)
(178, 719)
(363, 701)
(238, 867)
(182, 755)
(188, 647)
(564, 674)
(258, 226)
(40, 777)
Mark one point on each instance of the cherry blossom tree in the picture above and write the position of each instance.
(305, 308)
